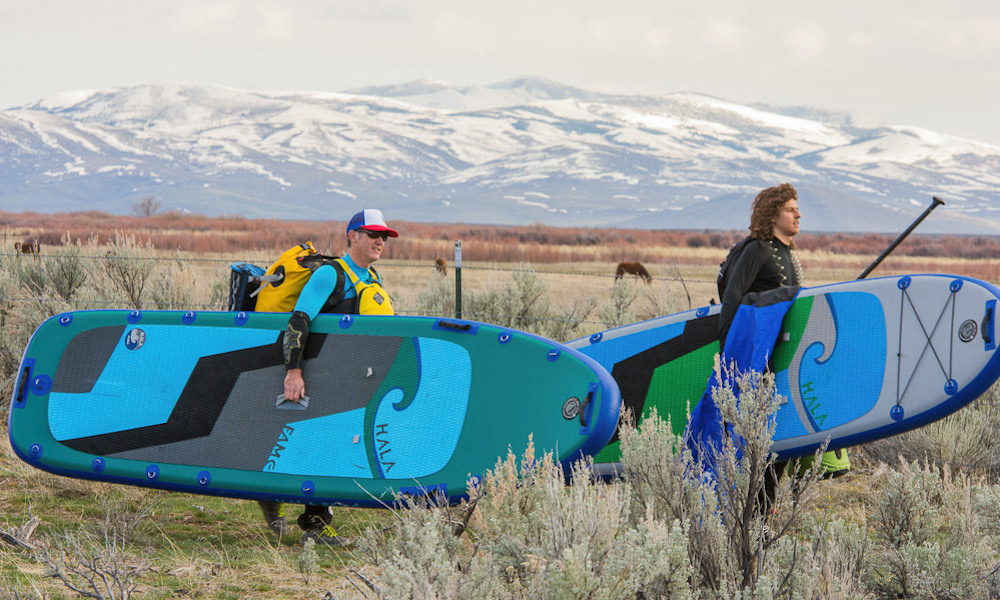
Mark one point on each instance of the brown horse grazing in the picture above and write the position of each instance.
(440, 265)
(27, 247)
(633, 268)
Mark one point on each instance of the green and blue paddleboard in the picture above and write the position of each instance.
(191, 401)
(855, 362)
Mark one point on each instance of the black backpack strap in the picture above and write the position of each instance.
(338, 288)
(722, 280)
(335, 303)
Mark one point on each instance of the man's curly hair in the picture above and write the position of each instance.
(766, 207)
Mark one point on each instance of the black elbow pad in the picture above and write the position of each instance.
(294, 340)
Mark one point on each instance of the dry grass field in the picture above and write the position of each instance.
(591, 251)
(572, 265)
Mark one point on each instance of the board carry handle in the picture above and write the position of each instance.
(987, 325)
(456, 326)
(583, 408)
(21, 391)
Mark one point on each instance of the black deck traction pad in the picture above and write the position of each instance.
(635, 373)
(242, 386)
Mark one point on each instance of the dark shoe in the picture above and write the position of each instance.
(312, 521)
(274, 516)
(765, 534)
(326, 536)
(279, 526)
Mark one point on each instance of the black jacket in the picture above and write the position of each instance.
(763, 265)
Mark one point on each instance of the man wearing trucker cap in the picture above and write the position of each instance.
(346, 285)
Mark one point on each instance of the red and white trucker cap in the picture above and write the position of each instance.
(372, 220)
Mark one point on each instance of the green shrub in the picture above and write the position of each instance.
(27, 298)
(126, 267)
(65, 269)
(931, 539)
(92, 566)
(825, 559)
(666, 530)
(437, 299)
(172, 286)
(522, 303)
(531, 536)
(519, 305)
(618, 311)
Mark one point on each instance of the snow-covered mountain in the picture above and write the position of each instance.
(520, 151)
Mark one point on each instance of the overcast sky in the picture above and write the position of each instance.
(933, 64)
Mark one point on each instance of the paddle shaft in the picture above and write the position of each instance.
(935, 202)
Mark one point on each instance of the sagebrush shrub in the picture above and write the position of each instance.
(825, 559)
(66, 269)
(666, 529)
(931, 538)
(93, 567)
(127, 265)
(618, 311)
(127, 274)
(172, 286)
(965, 441)
(521, 303)
(27, 298)
(437, 299)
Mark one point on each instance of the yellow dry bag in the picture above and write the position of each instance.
(284, 280)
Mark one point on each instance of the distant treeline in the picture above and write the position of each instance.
(427, 241)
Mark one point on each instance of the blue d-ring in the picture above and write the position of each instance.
(204, 478)
(241, 318)
(97, 465)
(904, 282)
(504, 337)
(554, 354)
(308, 488)
(346, 321)
(701, 312)
(152, 472)
(896, 412)
(66, 319)
(40, 385)
(134, 317)
(956, 285)
(951, 387)
(189, 317)
(596, 337)
(36, 451)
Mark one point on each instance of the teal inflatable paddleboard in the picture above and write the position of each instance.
(192, 401)
(855, 362)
